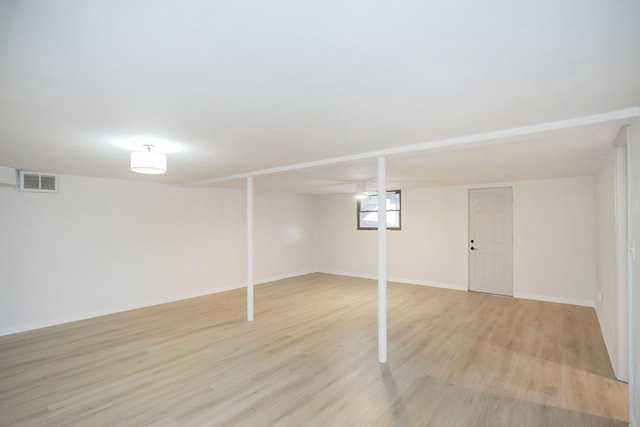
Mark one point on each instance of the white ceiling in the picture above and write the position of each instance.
(248, 85)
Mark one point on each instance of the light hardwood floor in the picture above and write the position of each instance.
(309, 359)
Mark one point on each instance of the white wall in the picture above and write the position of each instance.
(622, 260)
(634, 274)
(103, 245)
(611, 256)
(283, 232)
(605, 216)
(554, 249)
(554, 241)
(430, 249)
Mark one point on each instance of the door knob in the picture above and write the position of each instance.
(471, 240)
(472, 248)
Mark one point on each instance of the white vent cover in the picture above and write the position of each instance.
(8, 177)
(40, 182)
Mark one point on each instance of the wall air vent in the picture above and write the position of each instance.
(39, 182)
(8, 177)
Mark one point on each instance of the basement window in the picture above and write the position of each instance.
(368, 212)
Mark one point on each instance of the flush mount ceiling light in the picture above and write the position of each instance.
(149, 162)
(361, 191)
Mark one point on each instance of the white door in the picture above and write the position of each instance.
(491, 240)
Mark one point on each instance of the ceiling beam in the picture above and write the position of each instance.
(501, 136)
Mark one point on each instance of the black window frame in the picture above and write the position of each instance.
(399, 210)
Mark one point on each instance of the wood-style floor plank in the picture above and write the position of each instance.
(309, 359)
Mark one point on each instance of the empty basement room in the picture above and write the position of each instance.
(319, 214)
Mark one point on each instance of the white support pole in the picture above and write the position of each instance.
(382, 260)
(250, 248)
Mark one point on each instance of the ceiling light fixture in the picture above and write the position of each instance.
(361, 191)
(149, 162)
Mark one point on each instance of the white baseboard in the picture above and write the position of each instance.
(603, 328)
(432, 284)
(571, 301)
(398, 280)
(535, 297)
(168, 299)
(148, 303)
(279, 277)
(344, 273)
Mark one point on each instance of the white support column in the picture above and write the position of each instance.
(382, 260)
(250, 248)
